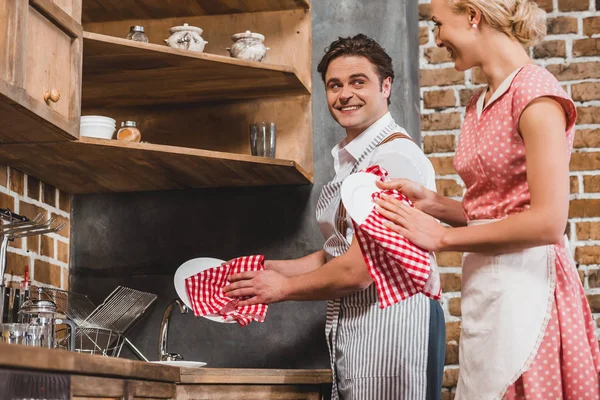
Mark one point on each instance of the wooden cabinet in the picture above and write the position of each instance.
(193, 109)
(40, 82)
(91, 387)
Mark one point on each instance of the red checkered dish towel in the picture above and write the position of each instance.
(399, 268)
(205, 291)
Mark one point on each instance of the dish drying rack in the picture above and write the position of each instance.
(15, 226)
(99, 330)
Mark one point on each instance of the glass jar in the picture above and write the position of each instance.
(129, 132)
(137, 34)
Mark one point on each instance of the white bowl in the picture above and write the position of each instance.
(102, 132)
(102, 124)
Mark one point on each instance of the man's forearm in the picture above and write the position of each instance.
(298, 266)
(340, 277)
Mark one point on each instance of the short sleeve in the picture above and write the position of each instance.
(537, 82)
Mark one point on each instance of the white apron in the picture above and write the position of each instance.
(506, 305)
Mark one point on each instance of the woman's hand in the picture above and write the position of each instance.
(416, 226)
(413, 190)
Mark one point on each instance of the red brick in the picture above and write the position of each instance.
(573, 5)
(545, 5)
(17, 181)
(587, 255)
(587, 138)
(450, 282)
(423, 35)
(454, 306)
(49, 194)
(64, 232)
(425, 12)
(584, 208)
(575, 71)
(47, 273)
(587, 230)
(591, 25)
(450, 378)
(15, 264)
(591, 183)
(562, 25)
(33, 188)
(586, 91)
(62, 251)
(550, 49)
(440, 121)
(574, 184)
(33, 244)
(594, 278)
(31, 211)
(439, 99)
(451, 354)
(64, 201)
(586, 47)
(47, 246)
(437, 55)
(65, 279)
(594, 300)
(585, 161)
(449, 259)
(449, 188)
(439, 144)
(466, 95)
(588, 115)
(441, 77)
(7, 201)
(443, 165)
(453, 331)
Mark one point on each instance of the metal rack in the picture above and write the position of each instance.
(16, 226)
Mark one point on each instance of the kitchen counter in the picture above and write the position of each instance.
(108, 377)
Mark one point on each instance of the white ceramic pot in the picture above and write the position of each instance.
(186, 37)
(248, 46)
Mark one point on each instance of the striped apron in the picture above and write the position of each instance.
(375, 354)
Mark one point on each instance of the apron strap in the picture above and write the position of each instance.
(342, 224)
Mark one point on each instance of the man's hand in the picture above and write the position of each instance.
(258, 287)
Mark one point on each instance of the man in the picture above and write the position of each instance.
(392, 353)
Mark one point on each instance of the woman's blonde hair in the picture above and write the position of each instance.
(520, 19)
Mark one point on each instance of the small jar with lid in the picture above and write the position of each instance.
(129, 132)
(137, 34)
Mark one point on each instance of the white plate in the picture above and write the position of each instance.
(191, 268)
(182, 364)
(357, 191)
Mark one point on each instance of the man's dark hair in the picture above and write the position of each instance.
(363, 46)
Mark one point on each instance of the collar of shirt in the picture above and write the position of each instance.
(503, 88)
(345, 154)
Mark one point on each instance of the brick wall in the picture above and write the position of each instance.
(47, 255)
(571, 52)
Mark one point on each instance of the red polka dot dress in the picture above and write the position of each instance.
(490, 159)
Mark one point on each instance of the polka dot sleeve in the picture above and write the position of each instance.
(533, 83)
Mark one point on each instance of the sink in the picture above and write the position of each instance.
(182, 364)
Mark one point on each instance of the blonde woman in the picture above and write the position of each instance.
(527, 329)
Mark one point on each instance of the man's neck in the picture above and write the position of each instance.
(352, 134)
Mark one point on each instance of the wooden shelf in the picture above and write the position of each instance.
(113, 10)
(119, 72)
(98, 165)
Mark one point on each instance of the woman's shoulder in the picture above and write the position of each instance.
(533, 77)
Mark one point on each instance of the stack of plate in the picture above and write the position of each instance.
(98, 126)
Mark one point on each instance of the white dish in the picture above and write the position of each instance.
(191, 268)
(182, 364)
(97, 118)
(357, 195)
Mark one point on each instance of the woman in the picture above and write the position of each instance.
(527, 330)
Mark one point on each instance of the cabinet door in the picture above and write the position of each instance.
(40, 88)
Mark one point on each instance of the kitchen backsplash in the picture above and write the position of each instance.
(48, 255)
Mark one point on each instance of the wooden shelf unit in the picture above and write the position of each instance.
(112, 10)
(119, 73)
(99, 165)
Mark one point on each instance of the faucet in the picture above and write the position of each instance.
(163, 355)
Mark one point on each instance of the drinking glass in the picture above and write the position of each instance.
(262, 139)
